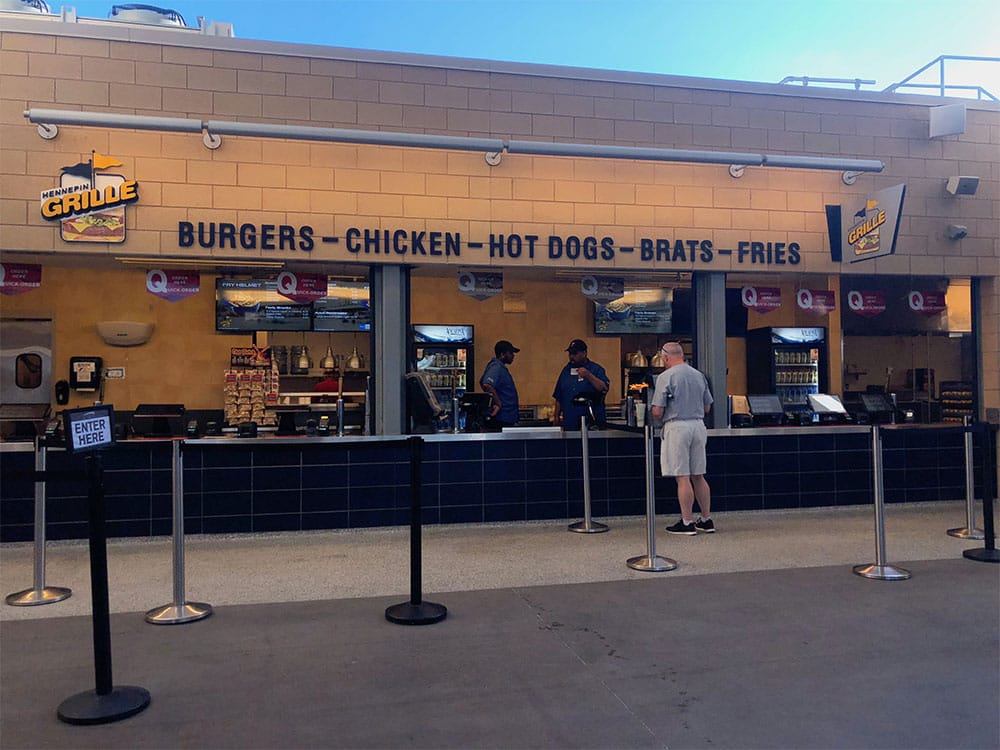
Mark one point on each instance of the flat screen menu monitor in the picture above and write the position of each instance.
(826, 403)
(248, 305)
(346, 307)
(876, 402)
(762, 405)
(637, 311)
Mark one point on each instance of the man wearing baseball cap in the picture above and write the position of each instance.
(581, 376)
(499, 383)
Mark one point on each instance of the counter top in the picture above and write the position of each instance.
(510, 433)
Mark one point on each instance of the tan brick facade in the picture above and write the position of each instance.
(332, 187)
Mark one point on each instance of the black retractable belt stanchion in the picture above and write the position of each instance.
(879, 570)
(989, 552)
(107, 703)
(39, 593)
(180, 610)
(416, 611)
(969, 531)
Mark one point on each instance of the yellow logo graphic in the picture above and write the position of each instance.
(865, 235)
(90, 207)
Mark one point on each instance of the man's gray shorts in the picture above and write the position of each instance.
(682, 450)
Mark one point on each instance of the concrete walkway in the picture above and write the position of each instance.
(762, 638)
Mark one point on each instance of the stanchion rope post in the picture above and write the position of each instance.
(39, 593)
(416, 611)
(989, 551)
(587, 525)
(650, 562)
(180, 610)
(969, 531)
(879, 570)
(106, 703)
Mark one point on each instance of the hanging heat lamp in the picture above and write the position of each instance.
(328, 362)
(302, 363)
(354, 361)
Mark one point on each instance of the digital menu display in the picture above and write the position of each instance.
(346, 307)
(637, 311)
(247, 305)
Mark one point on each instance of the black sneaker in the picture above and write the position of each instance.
(687, 529)
(705, 526)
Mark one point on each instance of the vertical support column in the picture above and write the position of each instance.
(710, 338)
(390, 300)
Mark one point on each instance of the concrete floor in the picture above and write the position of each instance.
(762, 637)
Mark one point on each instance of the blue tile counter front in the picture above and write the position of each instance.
(291, 484)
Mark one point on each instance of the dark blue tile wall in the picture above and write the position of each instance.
(236, 489)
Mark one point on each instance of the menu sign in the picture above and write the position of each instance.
(926, 302)
(173, 285)
(761, 299)
(865, 302)
(602, 288)
(302, 287)
(816, 301)
(480, 286)
(16, 278)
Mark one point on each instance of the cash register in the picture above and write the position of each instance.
(828, 408)
(766, 410)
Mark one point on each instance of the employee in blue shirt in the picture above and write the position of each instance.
(580, 376)
(499, 383)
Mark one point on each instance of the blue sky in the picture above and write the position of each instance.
(754, 40)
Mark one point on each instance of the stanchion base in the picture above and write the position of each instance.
(408, 613)
(965, 533)
(649, 564)
(175, 614)
(34, 597)
(983, 555)
(90, 708)
(881, 572)
(581, 527)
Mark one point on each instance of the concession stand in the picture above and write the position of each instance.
(253, 247)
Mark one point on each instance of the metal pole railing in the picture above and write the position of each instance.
(179, 610)
(39, 593)
(587, 525)
(969, 531)
(879, 570)
(650, 562)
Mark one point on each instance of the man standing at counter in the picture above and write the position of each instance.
(580, 376)
(682, 398)
(499, 383)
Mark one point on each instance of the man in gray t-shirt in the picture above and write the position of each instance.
(681, 399)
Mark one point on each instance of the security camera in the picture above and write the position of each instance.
(961, 185)
(956, 232)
